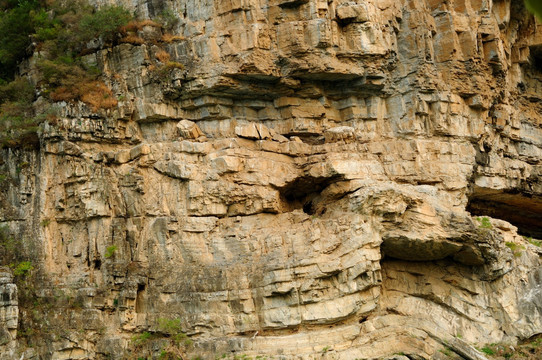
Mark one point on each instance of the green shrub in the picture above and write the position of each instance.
(16, 112)
(60, 30)
(18, 90)
(46, 26)
(533, 241)
(110, 251)
(485, 223)
(169, 326)
(141, 338)
(16, 26)
(446, 351)
(167, 19)
(23, 268)
(516, 249)
(488, 350)
(172, 328)
(11, 249)
(104, 23)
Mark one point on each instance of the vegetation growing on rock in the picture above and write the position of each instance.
(59, 33)
(315, 205)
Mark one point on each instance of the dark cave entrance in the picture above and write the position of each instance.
(303, 192)
(521, 210)
(140, 299)
(536, 58)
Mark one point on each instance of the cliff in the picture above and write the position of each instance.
(288, 179)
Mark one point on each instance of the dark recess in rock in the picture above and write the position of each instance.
(521, 210)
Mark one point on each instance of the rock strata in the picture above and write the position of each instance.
(323, 179)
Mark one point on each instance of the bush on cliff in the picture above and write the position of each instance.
(60, 32)
(17, 124)
(16, 26)
(103, 23)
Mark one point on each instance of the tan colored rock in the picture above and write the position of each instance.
(140, 150)
(280, 138)
(353, 12)
(122, 157)
(323, 179)
(249, 131)
(340, 133)
(189, 129)
(9, 313)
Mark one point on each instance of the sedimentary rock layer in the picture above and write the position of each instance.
(323, 179)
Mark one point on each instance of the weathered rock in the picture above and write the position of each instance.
(249, 131)
(9, 314)
(189, 129)
(353, 12)
(350, 179)
(340, 133)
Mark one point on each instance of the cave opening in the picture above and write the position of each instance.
(97, 264)
(303, 192)
(519, 209)
(292, 4)
(536, 57)
(140, 299)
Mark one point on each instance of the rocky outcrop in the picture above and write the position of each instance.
(9, 313)
(323, 179)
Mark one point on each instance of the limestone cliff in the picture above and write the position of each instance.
(320, 179)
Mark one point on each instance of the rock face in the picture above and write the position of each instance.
(9, 313)
(323, 179)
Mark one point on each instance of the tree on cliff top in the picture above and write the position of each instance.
(16, 26)
(61, 28)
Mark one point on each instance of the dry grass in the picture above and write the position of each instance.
(134, 25)
(164, 71)
(63, 93)
(169, 38)
(52, 119)
(162, 56)
(149, 23)
(95, 94)
(98, 96)
(174, 65)
(132, 39)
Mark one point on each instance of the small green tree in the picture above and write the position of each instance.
(104, 23)
(110, 251)
(15, 26)
(23, 268)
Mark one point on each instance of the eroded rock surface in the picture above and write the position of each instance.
(9, 313)
(323, 179)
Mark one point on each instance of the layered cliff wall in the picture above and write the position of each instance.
(319, 179)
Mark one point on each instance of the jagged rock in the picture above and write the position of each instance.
(140, 150)
(340, 133)
(249, 131)
(465, 350)
(9, 312)
(189, 129)
(353, 12)
(280, 138)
